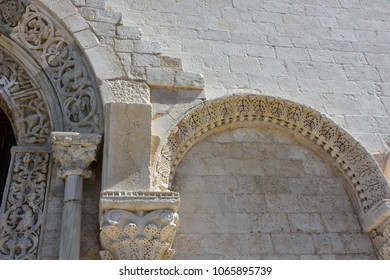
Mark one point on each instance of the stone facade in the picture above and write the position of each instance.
(262, 124)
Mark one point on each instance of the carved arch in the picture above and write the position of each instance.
(56, 53)
(368, 188)
(46, 84)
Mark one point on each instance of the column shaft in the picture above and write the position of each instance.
(71, 218)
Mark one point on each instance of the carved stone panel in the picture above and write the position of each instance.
(23, 204)
(23, 98)
(66, 68)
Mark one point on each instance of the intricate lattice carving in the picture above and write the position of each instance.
(29, 109)
(367, 180)
(138, 235)
(62, 61)
(21, 222)
(74, 152)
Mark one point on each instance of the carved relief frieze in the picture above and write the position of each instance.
(11, 11)
(369, 184)
(138, 235)
(65, 66)
(22, 210)
(30, 114)
(13, 78)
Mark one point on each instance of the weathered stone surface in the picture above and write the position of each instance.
(123, 91)
(127, 126)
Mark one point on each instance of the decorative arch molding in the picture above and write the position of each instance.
(60, 58)
(46, 85)
(368, 188)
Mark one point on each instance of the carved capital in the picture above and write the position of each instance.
(138, 235)
(138, 225)
(74, 152)
(381, 238)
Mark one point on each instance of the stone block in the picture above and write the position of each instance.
(62, 9)
(103, 28)
(160, 77)
(272, 67)
(124, 45)
(305, 223)
(282, 203)
(357, 243)
(128, 168)
(269, 223)
(76, 23)
(336, 222)
(344, 87)
(232, 222)
(344, 35)
(328, 243)
(128, 32)
(146, 60)
(86, 39)
(258, 244)
(123, 91)
(293, 243)
(246, 65)
(108, 68)
(321, 55)
(135, 72)
(125, 58)
(147, 47)
(108, 16)
(101, 4)
(189, 80)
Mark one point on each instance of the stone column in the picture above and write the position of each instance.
(74, 152)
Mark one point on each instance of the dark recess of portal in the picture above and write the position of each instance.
(7, 140)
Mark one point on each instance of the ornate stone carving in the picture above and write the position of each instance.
(75, 152)
(21, 223)
(138, 235)
(368, 183)
(382, 242)
(11, 11)
(30, 115)
(66, 68)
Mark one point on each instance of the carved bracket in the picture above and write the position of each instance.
(136, 232)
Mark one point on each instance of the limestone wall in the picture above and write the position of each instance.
(328, 54)
(250, 193)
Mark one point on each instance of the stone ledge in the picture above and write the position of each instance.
(139, 201)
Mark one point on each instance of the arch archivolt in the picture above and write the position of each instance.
(57, 54)
(367, 185)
